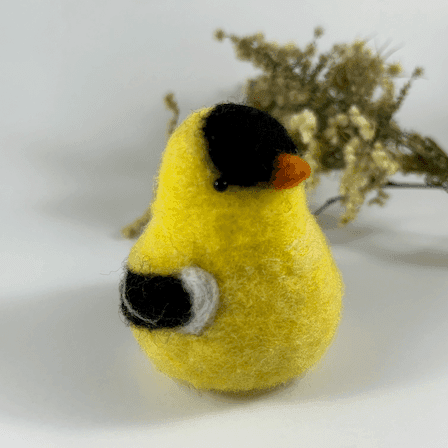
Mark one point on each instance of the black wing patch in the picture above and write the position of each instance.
(154, 301)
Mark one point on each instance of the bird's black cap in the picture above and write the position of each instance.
(243, 144)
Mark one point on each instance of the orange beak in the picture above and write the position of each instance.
(290, 171)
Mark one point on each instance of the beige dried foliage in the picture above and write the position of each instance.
(329, 106)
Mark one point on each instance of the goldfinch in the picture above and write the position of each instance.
(232, 285)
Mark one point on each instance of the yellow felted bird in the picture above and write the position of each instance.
(232, 286)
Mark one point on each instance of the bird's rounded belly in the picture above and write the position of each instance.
(273, 323)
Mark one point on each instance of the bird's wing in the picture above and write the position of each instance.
(188, 301)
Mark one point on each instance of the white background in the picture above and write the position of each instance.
(82, 127)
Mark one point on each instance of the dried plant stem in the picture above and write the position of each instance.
(136, 227)
(388, 185)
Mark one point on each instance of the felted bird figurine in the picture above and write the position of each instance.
(232, 286)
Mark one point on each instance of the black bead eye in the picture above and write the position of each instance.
(220, 185)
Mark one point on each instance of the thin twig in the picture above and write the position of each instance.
(328, 203)
(389, 184)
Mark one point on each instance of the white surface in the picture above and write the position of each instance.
(82, 128)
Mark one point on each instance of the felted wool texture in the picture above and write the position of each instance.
(280, 291)
(204, 294)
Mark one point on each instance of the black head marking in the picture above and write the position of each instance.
(243, 143)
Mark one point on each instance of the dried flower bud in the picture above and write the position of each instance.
(419, 71)
(280, 99)
(318, 31)
(290, 47)
(304, 122)
(364, 126)
(383, 160)
(353, 111)
(342, 120)
(349, 150)
(219, 35)
(294, 96)
(395, 69)
(330, 132)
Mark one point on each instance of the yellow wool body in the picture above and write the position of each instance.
(280, 289)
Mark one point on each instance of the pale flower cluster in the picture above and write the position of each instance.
(349, 150)
(383, 159)
(355, 161)
(365, 127)
(312, 156)
(305, 123)
(353, 179)
(360, 161)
